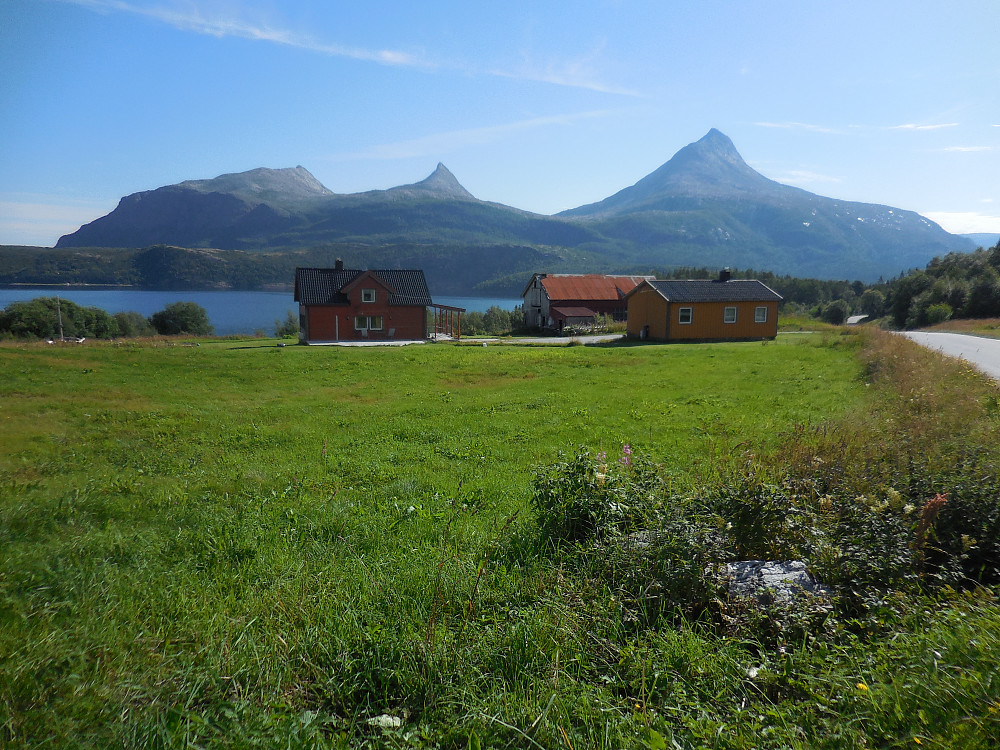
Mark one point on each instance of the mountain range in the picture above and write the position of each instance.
(705, 207)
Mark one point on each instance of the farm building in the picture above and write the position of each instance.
(342, 304)
(722, 309)
(553, 300)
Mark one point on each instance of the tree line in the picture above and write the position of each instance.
(51, 318)
(958, 285)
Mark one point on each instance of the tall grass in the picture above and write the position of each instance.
(236, 545)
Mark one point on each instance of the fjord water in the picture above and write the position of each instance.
(231, 313)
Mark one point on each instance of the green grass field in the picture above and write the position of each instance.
(235, 545)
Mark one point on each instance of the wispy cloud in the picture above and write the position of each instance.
(585, 70)
(965, 222)
(438, 144)
(969, 149)
(915, 126)
(572, 75)
(197, 19)
(190, 17)
(798, 126)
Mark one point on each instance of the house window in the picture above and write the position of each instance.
(367, 295)
(729, 315)
(760, 315)
(367, 322)
(685, 315)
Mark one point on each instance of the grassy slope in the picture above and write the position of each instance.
(234, 544)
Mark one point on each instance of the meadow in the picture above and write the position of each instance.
(234, 544)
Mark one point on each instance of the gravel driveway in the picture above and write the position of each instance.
(982, 353)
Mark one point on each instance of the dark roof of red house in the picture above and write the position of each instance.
(698, 290)
(324, 286)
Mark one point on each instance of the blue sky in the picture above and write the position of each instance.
(539, 105)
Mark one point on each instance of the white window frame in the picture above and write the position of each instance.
(726, 312)
(681, 316)
(367, 295)
(368, 323)
(760, 314)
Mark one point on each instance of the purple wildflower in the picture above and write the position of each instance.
(626, 459)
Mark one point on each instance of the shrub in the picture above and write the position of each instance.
(182, 317)
(835, 312)
(584, 499)
(47, 317)
(938, 313)
(766, 521)
(288, 327)
(132, 324)
(657, 551)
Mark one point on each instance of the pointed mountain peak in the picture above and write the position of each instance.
(709, 167)
(717, 140)
(442, 180)
(714, 146)
(441, 183)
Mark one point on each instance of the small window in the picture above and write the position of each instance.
(375, 322)
(685, 315)
(729, 315)
(367, 295)
(760, 315)
(367, 322)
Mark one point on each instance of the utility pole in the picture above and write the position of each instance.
(59, 313)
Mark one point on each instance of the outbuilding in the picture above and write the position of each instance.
(548, 297)
(722, 309)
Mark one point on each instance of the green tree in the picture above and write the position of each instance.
(496, 320)
(182, 317)
(835, 312)
(287, 327)
(938, 313)
(472, 323)
(48, 317)
(984, 296)
(872, 302)
(133, 325)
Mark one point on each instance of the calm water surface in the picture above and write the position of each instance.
(231, 313)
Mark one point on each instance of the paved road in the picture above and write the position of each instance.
(982, 353)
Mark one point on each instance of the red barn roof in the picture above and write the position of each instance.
(589, 286)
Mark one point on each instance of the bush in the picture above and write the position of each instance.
(591, 499)
(47, 317)
(288, 327)
(132, 324)
(938, 313)
(618, 521)
(182, 317)
(835, 312)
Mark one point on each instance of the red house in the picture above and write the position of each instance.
(342, 304)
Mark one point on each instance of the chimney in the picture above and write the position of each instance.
(724, 275)
(338, 265)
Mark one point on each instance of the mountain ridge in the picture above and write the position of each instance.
(703, 207)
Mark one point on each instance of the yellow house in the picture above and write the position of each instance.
(722, 309)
